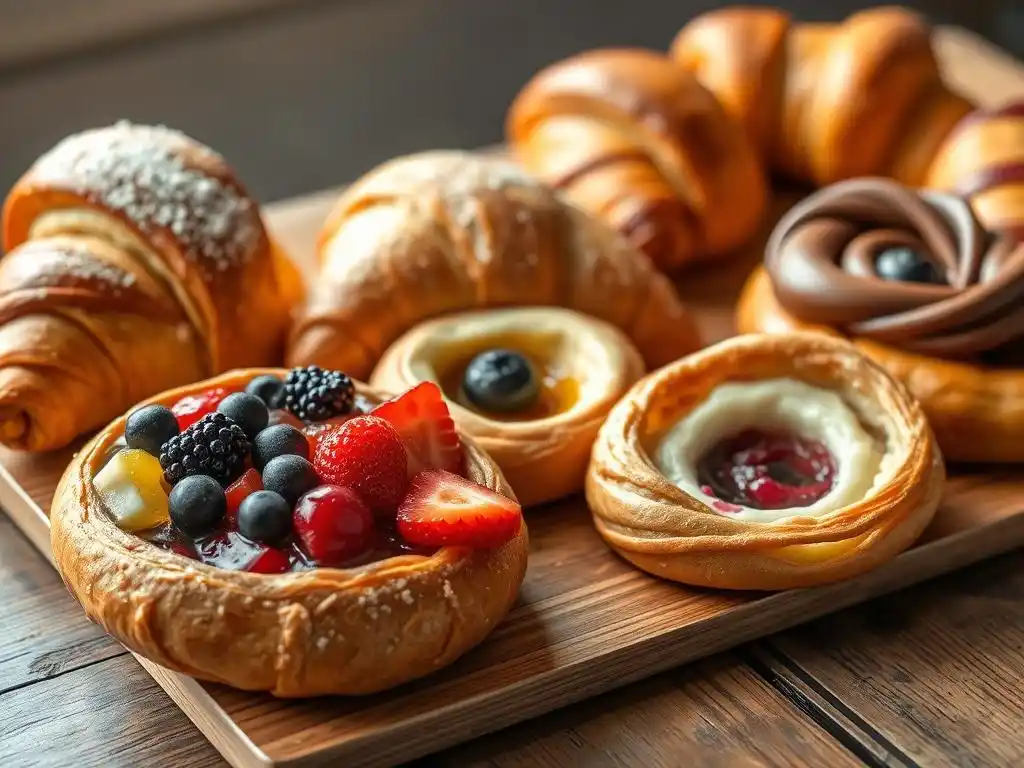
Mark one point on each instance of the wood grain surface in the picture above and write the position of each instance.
(816, 674)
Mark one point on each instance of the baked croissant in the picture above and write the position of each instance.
(135, 262)
(824, 102)
(983, 160)
(440, 232)
(635, 140)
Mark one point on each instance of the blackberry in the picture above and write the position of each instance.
(215, 446)
(316, 395)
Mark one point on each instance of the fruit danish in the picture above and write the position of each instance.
(531, 385)
(765, 462)
(290, 532)
(457, 236)
(134, 262)
(921, 287)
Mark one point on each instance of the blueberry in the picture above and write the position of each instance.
(906, 265)
(149, 427)
(247, 411)
(289, 475)
(278, 440)
(197, 505)
(266, 517)
(267, 388)
(501, 381)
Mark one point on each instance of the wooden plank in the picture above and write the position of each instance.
(712, 714)
(43, 633)
(105, 715)
(931, 677)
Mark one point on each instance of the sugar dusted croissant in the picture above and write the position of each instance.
(135, 262)
(442, 232)
(632, 138)
(825, 102)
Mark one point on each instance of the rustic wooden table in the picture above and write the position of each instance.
(302, 95)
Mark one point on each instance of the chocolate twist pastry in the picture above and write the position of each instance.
(913, 270)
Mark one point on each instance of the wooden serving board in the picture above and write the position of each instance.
(586, 621)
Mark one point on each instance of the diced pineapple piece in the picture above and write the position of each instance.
(131, 487)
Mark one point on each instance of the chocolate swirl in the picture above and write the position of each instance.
(823, 261)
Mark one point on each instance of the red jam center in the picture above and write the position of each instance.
(766, 470)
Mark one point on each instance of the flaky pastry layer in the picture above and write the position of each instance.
(325, 631)
(664, 530)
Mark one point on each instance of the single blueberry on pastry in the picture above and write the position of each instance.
(765, 462)
(362, 499)
(917, 283)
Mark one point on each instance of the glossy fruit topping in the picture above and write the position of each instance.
(234, 552)
(192, 408)
(333, 525)
(501, 381)
(265, 517)
(247, 411)
(281, 416)
(149, 427)
(425, 425)
(213, 446)
(906, 265)
(313, 394)
(197, 505)
(290, 476)
(278, 440)
(767, 470)
(131, 487)
(268, 388)
(367, 455)
(238, 491)
(442, 509)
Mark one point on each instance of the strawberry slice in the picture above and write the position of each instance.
(422, 419)
(443, 509)
(236, 493)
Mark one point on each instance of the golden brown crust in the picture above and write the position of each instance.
(976, 412)
(135, 262)
(665, 531)
(637, 141)
(440, 232)
(826, 102)
(543, 459)
(327, 631)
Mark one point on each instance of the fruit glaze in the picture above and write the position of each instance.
(299, 472)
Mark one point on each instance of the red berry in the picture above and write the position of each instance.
(333, 524)
(270, 560)
(422, 419)
(442, 509)
(318, 429)
(192, 408)
(367, 455)
(249, 482)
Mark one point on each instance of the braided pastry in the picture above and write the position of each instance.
(135, 261)
(919, 285)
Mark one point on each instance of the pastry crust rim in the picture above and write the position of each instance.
(293, 634)
(665, 531)
(955, 420)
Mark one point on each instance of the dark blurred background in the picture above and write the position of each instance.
(305, 94)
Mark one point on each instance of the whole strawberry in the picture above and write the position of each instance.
(367, 455)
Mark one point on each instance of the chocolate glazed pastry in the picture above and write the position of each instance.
(918, 284)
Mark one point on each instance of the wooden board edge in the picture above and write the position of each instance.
(420, 736)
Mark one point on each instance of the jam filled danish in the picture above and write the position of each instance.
(918, 284)
(765, 462)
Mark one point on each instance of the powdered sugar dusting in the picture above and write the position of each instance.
(94, 270)
(141, 172)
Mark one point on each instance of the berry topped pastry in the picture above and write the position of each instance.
(518, 378)
(334, 541)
